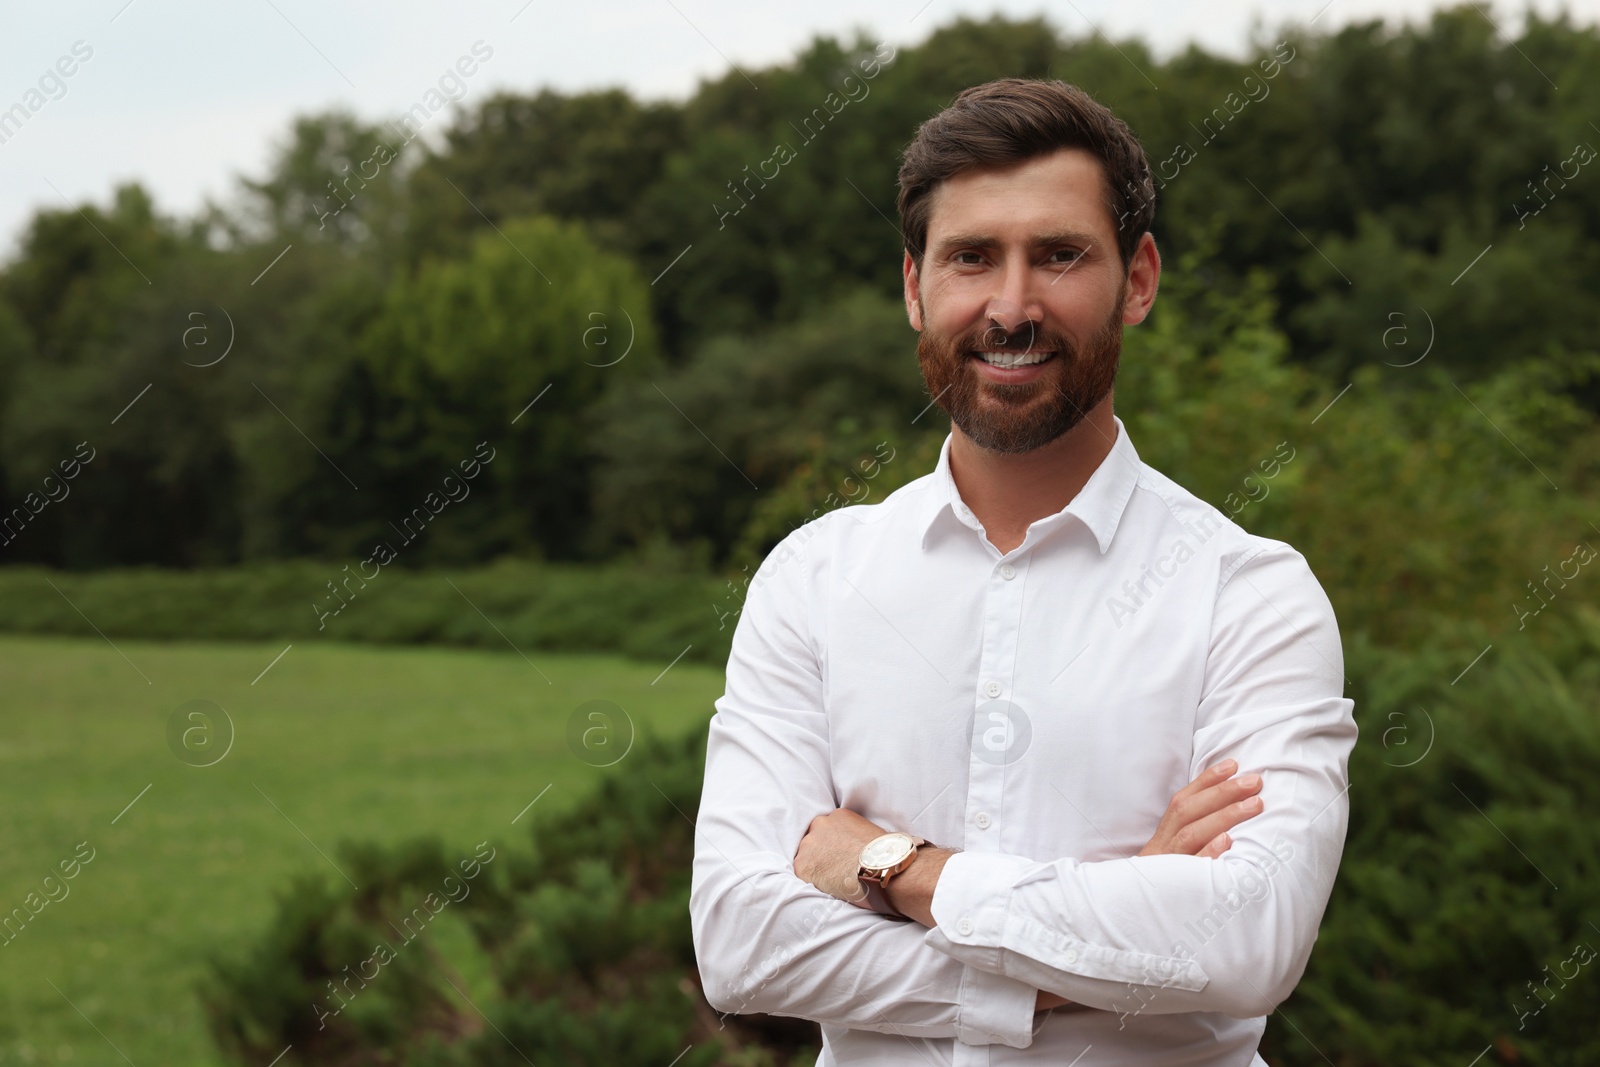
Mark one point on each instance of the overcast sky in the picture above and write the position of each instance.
(186, 95)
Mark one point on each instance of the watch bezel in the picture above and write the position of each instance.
(909, 844)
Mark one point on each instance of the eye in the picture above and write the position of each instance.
(976, 258)
(1072, 254)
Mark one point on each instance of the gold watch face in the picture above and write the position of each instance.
(885, 851)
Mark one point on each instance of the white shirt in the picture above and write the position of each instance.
(1038, 709)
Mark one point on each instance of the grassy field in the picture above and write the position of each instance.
(331, 743)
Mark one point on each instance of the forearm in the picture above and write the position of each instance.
(1162, 934)
(1156, 935)
(769, 941)
(911, 892)
(771, 944)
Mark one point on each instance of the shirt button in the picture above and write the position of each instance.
(982, 820)
(1008, 572)
(1071, 956)
(964, 927)
(993, 689)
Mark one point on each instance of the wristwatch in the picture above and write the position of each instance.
(881, 859)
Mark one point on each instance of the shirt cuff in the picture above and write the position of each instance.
(970, 901)
(993, 1009)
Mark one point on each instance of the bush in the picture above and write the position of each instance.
(573, 949)
(647, 613)
(1415, 499)
(1470, 805)
(1470, 887)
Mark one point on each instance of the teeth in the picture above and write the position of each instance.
(1014, 359)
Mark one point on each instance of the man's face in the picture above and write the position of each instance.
(1020, 300)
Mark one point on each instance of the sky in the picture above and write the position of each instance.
(187, 96)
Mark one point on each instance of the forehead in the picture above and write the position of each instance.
(1065, 190)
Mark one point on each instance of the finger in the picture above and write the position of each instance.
(1217, 847)
(1207, 778)
(1214, 798)
(1206, 830)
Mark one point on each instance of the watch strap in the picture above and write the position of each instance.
(877, 899)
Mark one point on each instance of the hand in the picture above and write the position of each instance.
(1045, 1001)
(830, 854)
(1201, 813)
(1196, 824)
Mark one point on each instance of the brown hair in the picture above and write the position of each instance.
(1016, 119)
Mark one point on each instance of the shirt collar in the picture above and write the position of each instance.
(1099, 505)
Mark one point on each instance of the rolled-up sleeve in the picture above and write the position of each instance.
(1170, 933)
(767, 941)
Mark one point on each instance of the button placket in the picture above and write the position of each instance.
(1001, 631)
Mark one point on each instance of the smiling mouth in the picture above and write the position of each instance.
(1011, 359)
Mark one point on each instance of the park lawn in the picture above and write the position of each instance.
(350, 742)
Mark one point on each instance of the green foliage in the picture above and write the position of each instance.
(1375, 341)
(580, 943)
(461, 351)
(689, 456)
(1467, 814)
(587, 157)
(310, 407)
(1416, 498)
(97, 330)
(1470, 871)
(374, 744)
(648, 614)
(335, 179)
(1361, 173)
(839, 470)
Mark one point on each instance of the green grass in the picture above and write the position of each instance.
(358, 743)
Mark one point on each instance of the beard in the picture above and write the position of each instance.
(1021, 417)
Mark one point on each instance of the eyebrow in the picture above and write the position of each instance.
(1039, 240)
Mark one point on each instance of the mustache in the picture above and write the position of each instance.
(1026, 338)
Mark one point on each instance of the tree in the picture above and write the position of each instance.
(510, 346)
(690, 456)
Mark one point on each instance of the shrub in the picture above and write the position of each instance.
(572, 949)
(647, 613)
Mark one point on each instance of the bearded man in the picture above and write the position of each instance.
(1042, 759)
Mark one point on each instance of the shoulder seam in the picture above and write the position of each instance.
(1261, 545)
(1167, 502)
(1227, 575)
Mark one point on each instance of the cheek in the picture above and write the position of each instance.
(1092, 306)
(951, 308)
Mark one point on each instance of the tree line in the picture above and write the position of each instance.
(661, 314)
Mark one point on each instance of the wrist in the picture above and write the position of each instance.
(880, 860)
(911, 891)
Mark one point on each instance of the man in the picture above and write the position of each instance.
(971, 795)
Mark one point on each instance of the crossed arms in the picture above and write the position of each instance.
(1207, 927)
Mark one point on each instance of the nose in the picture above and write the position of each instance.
(1013, 309)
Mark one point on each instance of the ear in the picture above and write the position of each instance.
(1144, 277)
(913, 290)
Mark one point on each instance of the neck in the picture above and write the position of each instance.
(1007, 493)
